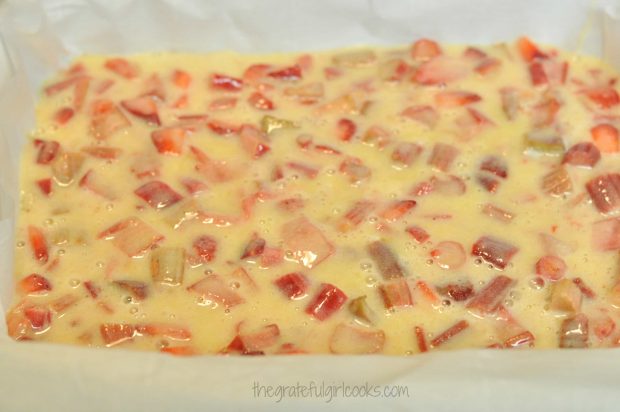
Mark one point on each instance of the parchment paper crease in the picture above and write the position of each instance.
(42, 36)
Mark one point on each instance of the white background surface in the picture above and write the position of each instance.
(52, 378)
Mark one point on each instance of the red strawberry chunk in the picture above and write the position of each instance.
(214, 288)
(356, 215)
(442, 156)
(169, 140)
(574, 332)
(495, 165)
(406, 153)
(205, 247)
(38, 243)
(194, 186)
(222, 128)
(34, 283)
(63, 115)
(583, 154)
(355, 170)
(254, 248)
(138, 289)
(551, 267)
(122, 67)
(491, 296)
(309, 171)
(396, 294)
(458, 292)
(385, 260)
(294, 285)
(227, 83)
(440, 70)
(263, 338)
(494, 251)
(132, 236)
(605, 97)
(537, 74)
(419, 234)
(158, 194)
(143, 107)
(327, 301)
(306, 242)
(606, 234)
(253, 141)
(425, 49)
(116, 333)
(292, 73)
(606, 137)
(529, 51)
(449, 333)
(456, 98)
(48, 150)
(45, 185)
(39, 317)
(397, 210)
(260, 102)
(426, 115)
(345, 129)
(605, 192)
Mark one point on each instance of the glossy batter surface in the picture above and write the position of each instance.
(390, 201)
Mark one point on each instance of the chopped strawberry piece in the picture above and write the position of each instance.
(557, 182)
(450, 185)
(510, 102)
(92, 289)
(393, 70)
(48, 150)
(583, 154)
(223, 103)
(306, 242)
(356, 340)
(488, 66)
(146, 165)
(222, 128)
(45, 185)
(491, 296)
(537, 74)
(261, 339)
(421, 339)
(116, 333)
(355, 170)
(39, 317)
(605, 97)
(360, 210)
(425, 49)
(606, 138)
(214, 288)
(194, 186)
(440, 70)
(143, 107)
(551, 267)
(419, 234)
(396, 294)
(497, 213)
(448, 255)
(100, 152)
(602, 326)
(174, 332)
(34, 283)
(327, 301)
(138, 289)
(397, 210)
(606, 234)
(254, 248)
(449, 333)
(385, 260)
(605, 192)
(179, 350)
(294, 285)
(529, 51)
(490, 184)
(450, 99)
(458, 292)
(521, 339)
(62, 116)
(494, 251)
(255, 73)
(158, 194)
(205, 247)
(38, 243)
(227, 83)
(107, 119)
(495, 165)
(169, 140)
(574, 332)
(345, 129)
(260, 102)
(406, 153)
(254, 142)
(426, 115)
(181, 79)
(292, 73)
(309, 171)
(122, 67)
(376, 136)
(93, 183)
(442, 156)
(271, 257)
(55, 88)
(132, 236)
(291, 204)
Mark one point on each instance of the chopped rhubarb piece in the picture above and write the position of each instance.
(227, 83)
(396, 294)
(254, 248)
(48, 150)
(606, 234)
(544, 113)
(443, 156)
(38, 243)
(557, 182)
(158, 194)
(271, 257)
(406, 153)
(585, 289)
(441, 70)
(355, 58)
(253, 141)
(458, 292)
(45, 185)
(181, 79)
(355, 170)
(138, 290)
(450, 186)
(169, 140)
(58, 87)
(260, 102)
(168, 265)
(66, 166)
(448, 255)
(605, 97)
(122, 67)
(376, 136)
(606, 137)
(62, 116)
(537, 74)
(420, 235)
(132, 236)
(100, 152)
(426, 115)
(39, 317)
(307, 243)
(488, 66)
(449, 333)
(92, 289)
(566, 296)
(107, 119)
(34, 283)
(61, 304)
(605, 192)
(542, 143)
(574, 332)
(95, 184)
(393, 70)
(385, 260)
(194, 186)
(215, 289)
(583, 154)
(291, 204)
(146, 165)
(494, 251)
(356, 340)
(360, 309)
(360, 210)
(345, 129)
(294, 285)
(205, 247)
(116, 333)
(551, 267)
(450, 99)
(495, 165)
(427, 291)
(263, 338)
(223, 103)
(254, 73)
(173, 332)
(520, 340)
(510, 102)
(143, 107)
(529, 51)
(425, 49)
(420, 337)
(397, 210)
(491, 296)
(292, 73)
(307, 94)
(497, 213)
(327, 301)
